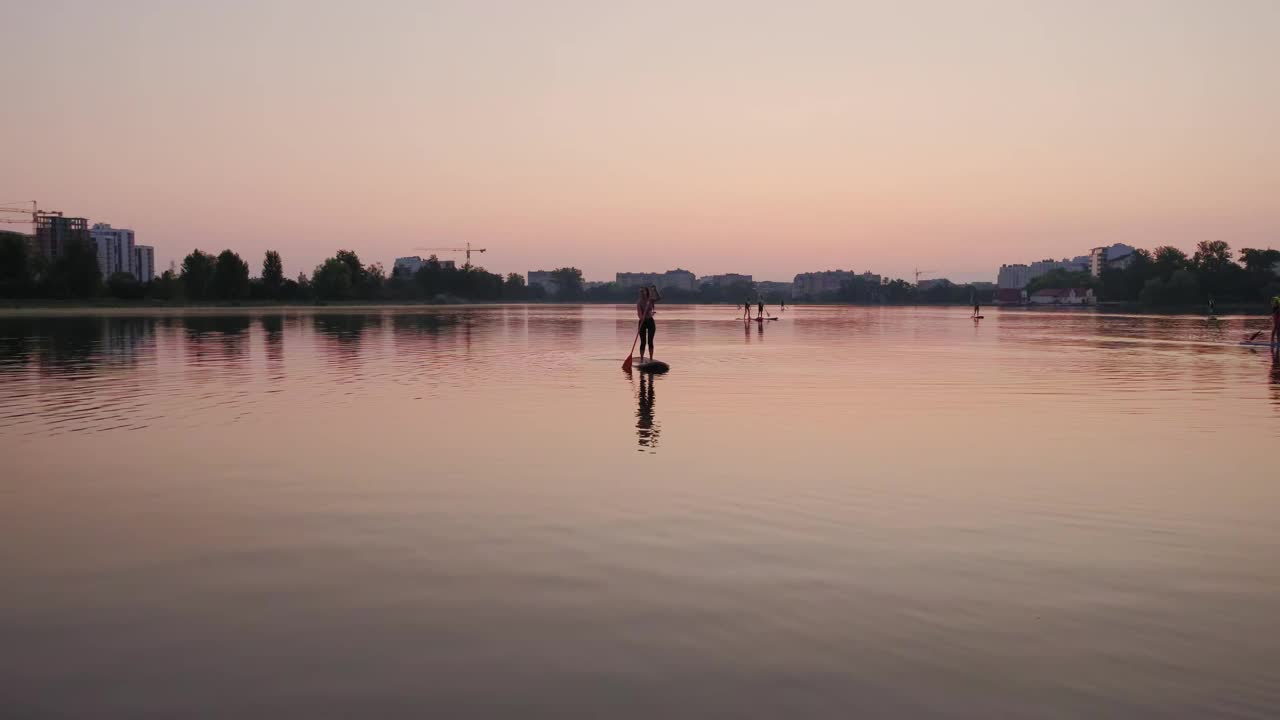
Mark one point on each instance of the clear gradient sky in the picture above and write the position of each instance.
(761, 137)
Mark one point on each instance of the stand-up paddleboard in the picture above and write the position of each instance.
(758, 319)
(649, 366)
(978, 317)
(1255, 344)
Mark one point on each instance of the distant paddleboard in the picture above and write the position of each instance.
(1255, 343)
(978, 317)
(650, 366)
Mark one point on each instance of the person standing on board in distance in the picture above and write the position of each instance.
(644, 310)
(746, 309)
(1210, 304)
(1275, 323)
(976, 309)
(760, 308)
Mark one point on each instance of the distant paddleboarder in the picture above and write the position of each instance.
(746, 309)
(644, 311)
(760, 309)
(1275, 322)
(1211, 305)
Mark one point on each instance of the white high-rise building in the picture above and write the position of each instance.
(115, 249)
(144, 263)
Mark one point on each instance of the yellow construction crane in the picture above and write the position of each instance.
(920, 272)
(468, 250)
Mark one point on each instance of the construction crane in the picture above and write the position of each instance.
(468, 250)
(15, 208)
(920, 272)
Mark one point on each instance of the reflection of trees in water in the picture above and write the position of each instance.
(343, 335)
(647, 429)
(216, 339)
(563, 325)
(273, 339)
(345, 328)
(1275, 380)
(71, 344)
(430, 323)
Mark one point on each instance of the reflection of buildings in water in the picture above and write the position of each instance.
(517, 321)
(125, 340)
(562, 323)
(647, 429)
(59, 345)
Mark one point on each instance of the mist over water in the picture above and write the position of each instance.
(473, 512)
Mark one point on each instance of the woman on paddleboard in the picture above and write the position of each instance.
(760, 308)
(644, 311)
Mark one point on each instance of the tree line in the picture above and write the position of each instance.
(1168, 276)
(226, 277)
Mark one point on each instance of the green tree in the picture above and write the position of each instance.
(124, 286)
(514, 288)
(167, 287)
(568, 282)
(1219, 275)
(1182, 288)
(1064, 279)
(1167, 260)
(197, 273)
(15, 265)
(75, 272)
(230, 279)
(356, 271)
(1261, 261)
(272, 273)
(332, 280)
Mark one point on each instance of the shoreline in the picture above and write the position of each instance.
(11, 308)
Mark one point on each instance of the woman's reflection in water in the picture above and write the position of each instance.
(1275, 377)
(647, 430)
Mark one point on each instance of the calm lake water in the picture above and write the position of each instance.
(473, 512)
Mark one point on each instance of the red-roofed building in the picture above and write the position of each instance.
(1010, 296)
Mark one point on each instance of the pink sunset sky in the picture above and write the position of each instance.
(761, 137)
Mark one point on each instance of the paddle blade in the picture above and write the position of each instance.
(626, 364)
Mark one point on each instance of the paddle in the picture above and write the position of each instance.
(626, 364)
(1253, 336)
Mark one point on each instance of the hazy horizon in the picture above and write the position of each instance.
(718, 137)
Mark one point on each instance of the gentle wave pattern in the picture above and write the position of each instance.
(473, 512)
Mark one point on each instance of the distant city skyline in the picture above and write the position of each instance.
(949, 137)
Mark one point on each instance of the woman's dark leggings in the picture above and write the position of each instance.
(647, 329)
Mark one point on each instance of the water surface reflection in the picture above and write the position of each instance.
(856, 512)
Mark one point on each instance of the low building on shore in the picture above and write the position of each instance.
(1063, 296)
(542, 279)
(678, 279)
